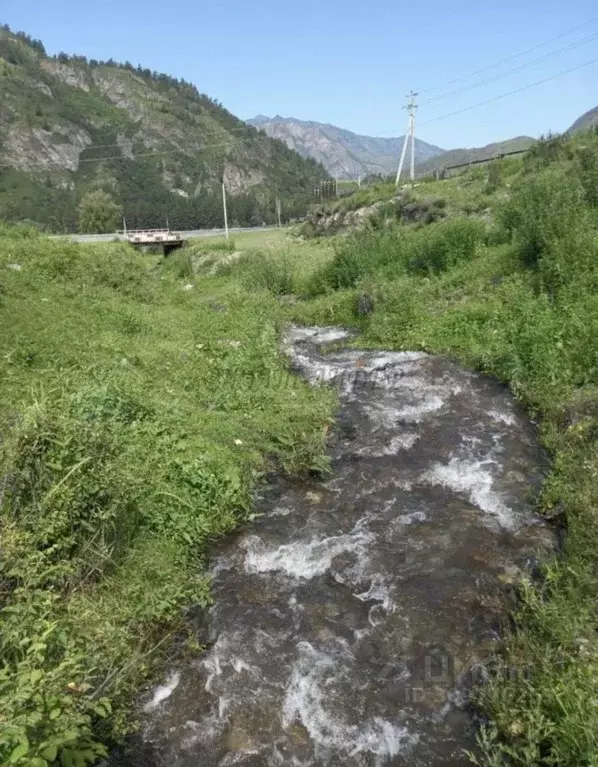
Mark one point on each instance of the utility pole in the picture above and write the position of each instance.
(224, 207)
(409, 136)
(278, 210)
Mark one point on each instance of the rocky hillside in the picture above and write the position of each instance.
(585, 122)
(157, 145)
(344, 154)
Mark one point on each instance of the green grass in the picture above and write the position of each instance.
(275, 261)
(515, 297)
(137, 417)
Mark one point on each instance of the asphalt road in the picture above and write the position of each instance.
(186, 235)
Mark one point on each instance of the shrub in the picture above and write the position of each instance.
(264, 271)
(66, 489)
(395, 249)
(24, 231)
(494, 176)
(360, 254)
(98, 212)
(547, 151)
(542, 210)
(434, 251)
(586, 170)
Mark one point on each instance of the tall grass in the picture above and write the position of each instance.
(136, 419)
(397, 250)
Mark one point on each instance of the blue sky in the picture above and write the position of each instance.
(348, 63)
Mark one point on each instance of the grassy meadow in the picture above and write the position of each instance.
(140, 408)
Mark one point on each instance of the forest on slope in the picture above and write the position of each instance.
(71, 126)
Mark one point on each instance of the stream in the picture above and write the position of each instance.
(352, 616)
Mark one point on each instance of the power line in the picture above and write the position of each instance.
(511, 58)
(511, 93)
(457, 91)
(160, 153)
(227, 144)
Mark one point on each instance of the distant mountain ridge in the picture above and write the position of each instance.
(473, 154)
(587, 120)
(343, 153)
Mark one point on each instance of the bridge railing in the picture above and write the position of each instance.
(149, 235)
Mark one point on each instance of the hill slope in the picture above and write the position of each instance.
(458, 156)
(585, 122)
(344, 154)
(68, 125)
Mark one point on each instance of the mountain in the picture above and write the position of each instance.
(585, 122)
(458, 156)
(344, 154)
(69, 125)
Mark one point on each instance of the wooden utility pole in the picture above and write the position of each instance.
(409, 136)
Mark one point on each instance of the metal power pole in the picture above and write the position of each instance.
(409, 136)
(224, 207)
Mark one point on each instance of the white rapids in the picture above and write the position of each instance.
(349, 616)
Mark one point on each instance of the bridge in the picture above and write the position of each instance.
(140, 238)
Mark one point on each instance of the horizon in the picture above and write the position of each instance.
(506, 57)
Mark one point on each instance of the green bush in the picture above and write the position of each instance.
(494, 176)
(360, 254)
(541, 211)
(266, 271)
(23, 231)
(586, 169)
(554, 232)
(547, 151)
(68, 491)
(396, 249)
(433, 251)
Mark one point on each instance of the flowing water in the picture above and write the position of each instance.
(351, 617)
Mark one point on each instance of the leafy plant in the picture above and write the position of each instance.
(98, 213)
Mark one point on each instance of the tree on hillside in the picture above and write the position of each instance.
(98, 213)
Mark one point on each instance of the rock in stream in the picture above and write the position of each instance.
(350, 619)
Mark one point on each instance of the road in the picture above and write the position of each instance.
(186, 235)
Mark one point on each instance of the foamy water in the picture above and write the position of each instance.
(347, 615)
